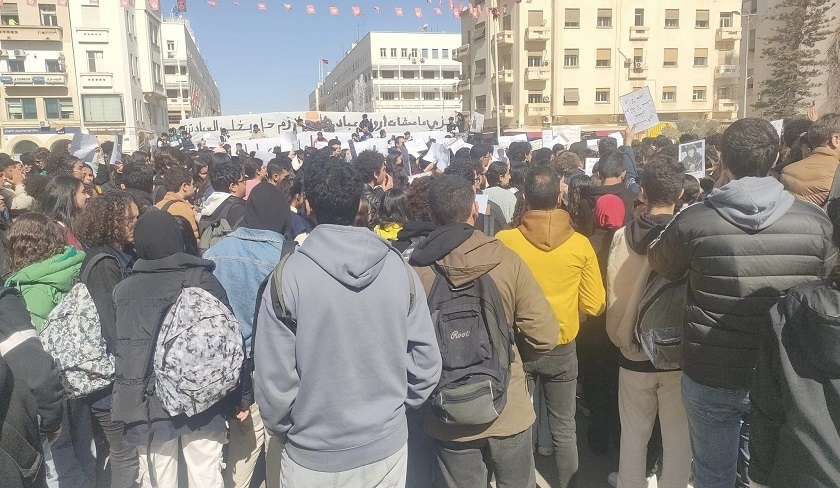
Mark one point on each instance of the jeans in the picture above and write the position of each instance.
(122, 457)
(510, 460)
(558, 377)
(387, 473)
(718, 422)
(71, 461)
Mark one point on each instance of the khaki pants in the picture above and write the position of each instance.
(387, 473)
(640, 397)
(202, 453)
(246, 440)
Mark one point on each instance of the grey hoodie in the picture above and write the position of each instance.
(334, 386)
(751, 203)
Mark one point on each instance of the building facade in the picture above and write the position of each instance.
(393, 71)
(38, 78)
(569, 62)
(119, 62)
(190, 88)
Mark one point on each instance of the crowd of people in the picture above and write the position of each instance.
(379, 322)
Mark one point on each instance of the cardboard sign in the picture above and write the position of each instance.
(639, 109)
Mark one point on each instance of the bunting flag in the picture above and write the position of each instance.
(451, 4)
(154, 5)
(325, 61)
(287, 6)
(61, 3)
(182, 5)
(310, 9)
(397, 10)
(32, 3)
(418, 12)
(262, 6)
(124, 3)
(378, 9)
(94, 2)
(333, 10)
(357, 11)
(212, 3)
(437, 10)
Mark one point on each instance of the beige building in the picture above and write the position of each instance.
(39, 95)
(569, 62)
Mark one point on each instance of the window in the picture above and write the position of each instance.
(481, 103)
(750, 78)
(170, 47)
(408, 74)
(388, 96)
(638, 56)
(156, 72)
(54, 66)
(726, 19)
(48, 16)
(444, 53)
(639, 17)
(393, 52)
(170, 70)
(670, 59)
(183, 68)
(480, 67)
(573, 18)
(448, 96)
(16, 66)
(604, 17)
(449, 75)
(701, 21)
(102, 108)
(388, 73)
(535, 60)
(428, 97)
(171, 93)
(751, 38)
(129, 24)
(724, 92)
(429, 75)
(669, 94)
(59, 108)
(603, 58)
(698, 94)
(535, 18)
(138, 110)
(154, 34)
(9, 14)
(672, 18)
(535, 98)
(435, 53)
(90, 15)
(131, 65)
(414, 52)
(21, 108)
(753, 6)
(701, 57)
(404, 52)
(383, 52)
(571, 58)
(479, 32)
(602, 95)
(424, 53)
(507, 22)
(571, 96)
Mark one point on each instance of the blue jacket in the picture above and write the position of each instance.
(243, 259)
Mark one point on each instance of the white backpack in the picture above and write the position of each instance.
(72, 334)
(198, 353)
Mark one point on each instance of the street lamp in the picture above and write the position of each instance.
(748, 16)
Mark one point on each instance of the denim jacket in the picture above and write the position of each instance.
(243, 259)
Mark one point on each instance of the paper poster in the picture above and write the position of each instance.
(537, 144)
(211, 140)
(379, 145)
(264, 156)
(778, 125)
(569, 132)
(547, 137)
(592, 144)
(639, 109)
(619, 137)
(499, 154)
(482, 201)
(288, 141)
(559, 140)
(504, 141)
(415, 147)
(83, 146)
(418, 175)
(589, 165)
(116, 154)
(476, 122)
(693, 157)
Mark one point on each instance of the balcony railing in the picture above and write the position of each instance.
(30, 33)
(639, 33)
(542, 33)
(538, 109)
(96, 80)
(91, 35)
(462, 52)
(33, 78)
(728, 34)
(537, 74)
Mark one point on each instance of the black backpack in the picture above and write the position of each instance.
(211, 232)
(476, 345)
(834, 191)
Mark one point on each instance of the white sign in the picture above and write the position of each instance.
(547, 137)
(619, 138)
(482, 201)
(211, 140)
(589, 165)
(83, 146)
(559, 140)
(117, 152)
(639, 109)
(693, 157)
(505, 141)
(778, 124)
(264, 156)
(415, 147)
(569, 132)
(499, 154)
(476, 122)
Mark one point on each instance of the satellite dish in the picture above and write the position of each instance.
(425, 27)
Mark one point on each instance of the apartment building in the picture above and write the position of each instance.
(119, 63)
(190, 88)
(393, 71)
(39, 95)
(569, 62)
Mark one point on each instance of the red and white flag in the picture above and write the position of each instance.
(357, 11)
(212, 3)
(262, 6)
(451, 4)
(182, 6)
(398, 11)
(60, 3)
(310, 9)
(324, 61)
(94, 2)
(287, 6)
(418, 12)
(437, 10)
(32, 3)
(378, 9)
(125, 3)
(333, 10)
(155, 5)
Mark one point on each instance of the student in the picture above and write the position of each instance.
(392, 214)
(180, 189)
(65, 164)
(64, 197)
(498, 180)
(810, 179)
(12, 186)
(138, 181)
(370, 166)
(228, 191)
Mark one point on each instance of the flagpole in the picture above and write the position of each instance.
(318, 88)
(496, 68)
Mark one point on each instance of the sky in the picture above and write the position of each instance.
(267, 61)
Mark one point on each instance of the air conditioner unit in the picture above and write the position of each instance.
(44, 124)
(546, 120)
(546, 99)
(20, 52)
(639, 65)
(4, 53)
(546, 63)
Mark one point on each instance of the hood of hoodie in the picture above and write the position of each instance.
(644, 230)
(462, 253)
(546, 229)
(815, 337)
(751, 203)
(59, 271)
(212, 202)
(415, 229)
(353, 256)
(175, 262)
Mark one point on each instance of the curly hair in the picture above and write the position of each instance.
(166, 157)
(417, 196)
(104, 220)
(367, 164)
(60, 163)
(33, 237)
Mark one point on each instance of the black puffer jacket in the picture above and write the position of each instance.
(743, 248)
(586, 219)
(795, 400)
(374, 198)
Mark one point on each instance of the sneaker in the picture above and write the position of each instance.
(612, 479)
(545, 450)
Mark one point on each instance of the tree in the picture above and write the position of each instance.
(793, 55)
(833, 64)
(699, 127)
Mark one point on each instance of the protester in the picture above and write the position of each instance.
(64, 163)
(64, 197)
(370, 167)
(138, 181)
(498, 179)
(226, 202)
(392, 214)
(13, 190)
(742, 248)
(811, 178)
(612, 173)
(180, 189)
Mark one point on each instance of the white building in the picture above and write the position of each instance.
(190, 88)
(119, 64)
(393, 71)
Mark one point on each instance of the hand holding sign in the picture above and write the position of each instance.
(639, 109)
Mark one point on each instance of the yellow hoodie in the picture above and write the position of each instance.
(564, 264)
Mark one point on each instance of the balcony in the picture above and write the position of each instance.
(504, 38)
(639, 33)
(463, 86)
(89, 35)
(462, 53)
(30, 33)
(33, 79)
(97, 80)
(726, 71)
(728, 34)
(537, 74)
(538, 109)
(505, 76)
(505, 111)
(726, 105)
(537, 33)
(638, 73)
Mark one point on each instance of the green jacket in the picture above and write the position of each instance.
(44, 284)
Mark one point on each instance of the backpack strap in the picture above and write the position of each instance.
(412, 289)
(834, 192)
(168, 204)
(83, 278)
(289, 247)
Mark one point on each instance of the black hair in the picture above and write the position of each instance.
(176, 176)
(542, 188)
(251, 167)
(223, 174)
(517, 176)
(391, 160)
(480, 150)
(188, 236)
(541, 154)
(821, 131)
(686, 138)
(518, 150)
(140, 157)
(61, 164)
(611, 164)
(333, 190)
(463, 153)
(139, 177)
(606, 145)
(661, 141)
(368, 163)
(791, 131)
(200, 162)
(451, 199)
(495, 171)
(464, 168)
(691, 191)
(750, 147)
(333, 142)
(662, 180)
(278, 165)
(557, 148)
(579, 186)
(393, 208)
(166, 157)
(59, 199)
